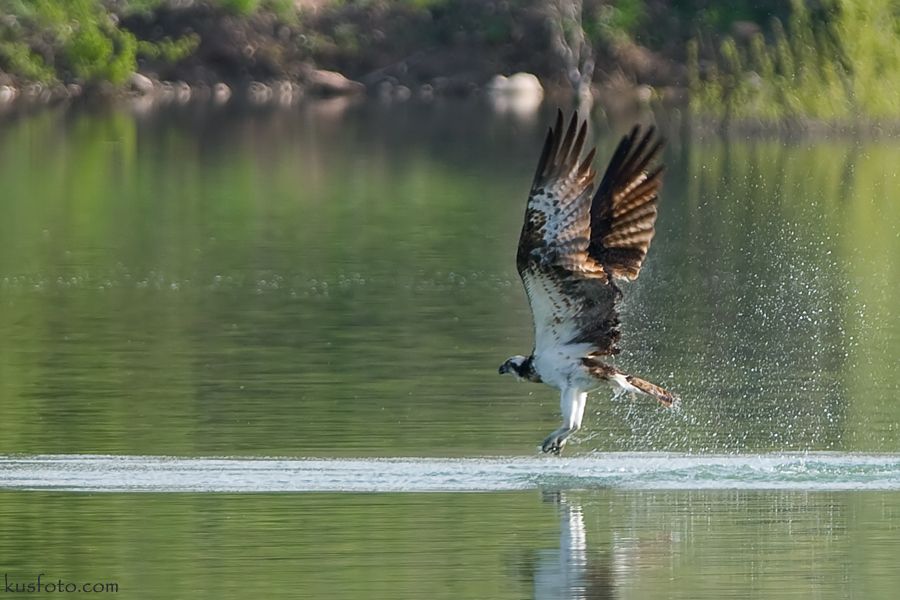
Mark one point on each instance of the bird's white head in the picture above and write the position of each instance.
(514, 364)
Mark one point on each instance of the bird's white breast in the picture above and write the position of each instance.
(561, 366)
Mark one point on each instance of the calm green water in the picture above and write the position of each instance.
(340, 284)
(585, 545)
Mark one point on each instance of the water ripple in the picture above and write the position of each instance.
(93, 473)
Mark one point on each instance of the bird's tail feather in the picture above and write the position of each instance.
(664, 396)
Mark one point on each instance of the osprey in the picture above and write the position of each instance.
(573, 247)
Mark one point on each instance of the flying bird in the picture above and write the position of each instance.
(574, 246)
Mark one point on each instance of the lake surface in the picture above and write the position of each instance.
(283, 329)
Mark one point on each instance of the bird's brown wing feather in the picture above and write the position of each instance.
(623, 213)
(568, 249)
(557, 218)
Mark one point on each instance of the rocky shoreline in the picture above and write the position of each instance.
(321, 84)
(350, 51)
(520, 93)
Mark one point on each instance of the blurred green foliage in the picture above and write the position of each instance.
(241, 6)
(51, 40)
(835, 62)
(283, 8)
(767, 60)
(168, 49)
(611, 20)
(81, 40)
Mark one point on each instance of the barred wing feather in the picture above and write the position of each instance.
(573, 242)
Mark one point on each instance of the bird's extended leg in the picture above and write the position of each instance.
(571, 403)
(631, 384)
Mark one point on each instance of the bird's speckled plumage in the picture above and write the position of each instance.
(574, 244)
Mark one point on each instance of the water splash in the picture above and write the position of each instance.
(808, 471)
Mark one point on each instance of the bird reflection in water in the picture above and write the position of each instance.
(573, 572)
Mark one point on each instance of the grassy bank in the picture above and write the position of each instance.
(836, 62)
(763, 60)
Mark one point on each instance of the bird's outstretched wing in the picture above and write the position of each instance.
(573, 242)
(623, 212)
